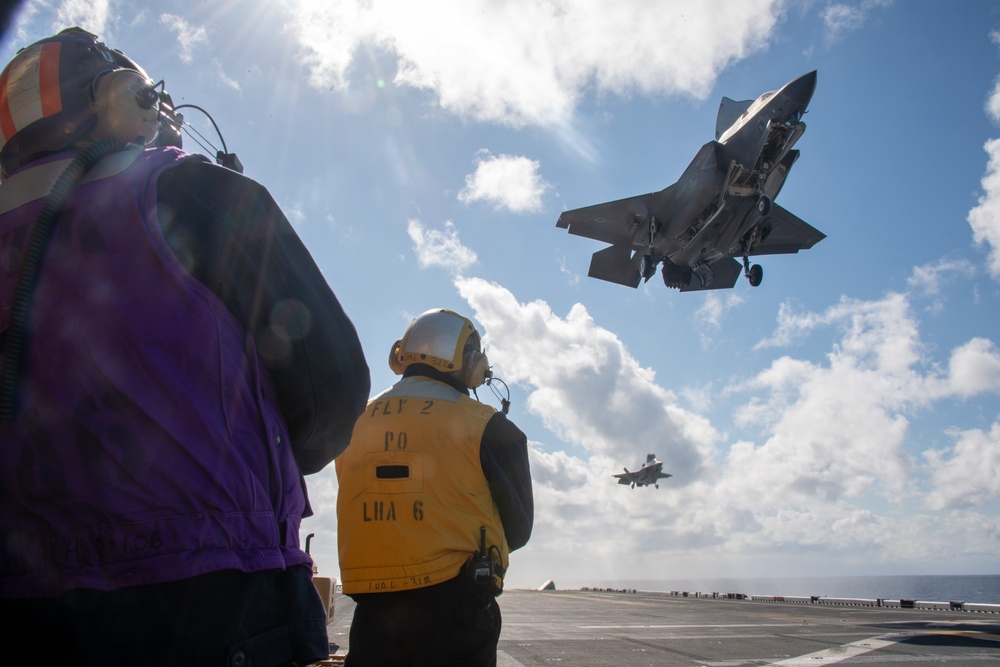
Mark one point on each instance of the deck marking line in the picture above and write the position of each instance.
(689, 625)
(838, 653)
(504, 660)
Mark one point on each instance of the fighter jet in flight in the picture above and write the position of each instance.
(649, 473)
(721, 208)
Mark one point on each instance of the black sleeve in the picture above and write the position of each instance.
(231, 235)
(503, 455)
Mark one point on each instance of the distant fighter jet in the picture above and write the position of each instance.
(721, 208)
(649, 473)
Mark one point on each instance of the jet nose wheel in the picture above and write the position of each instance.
(755, 275)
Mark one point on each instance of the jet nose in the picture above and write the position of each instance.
(801, 89)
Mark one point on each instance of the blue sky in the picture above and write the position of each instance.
(842, 418)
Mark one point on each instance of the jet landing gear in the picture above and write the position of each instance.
(753, 272)
(647, 267)
(763, 205)
(763, 201)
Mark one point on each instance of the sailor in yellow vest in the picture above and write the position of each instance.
(435, 492)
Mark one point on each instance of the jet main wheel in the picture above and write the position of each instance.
(756, 275)
(646, 266)
(764, 205)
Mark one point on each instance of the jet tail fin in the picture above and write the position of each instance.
(729, 113)
(616, 265)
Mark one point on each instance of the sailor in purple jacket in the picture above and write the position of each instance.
(173, 364)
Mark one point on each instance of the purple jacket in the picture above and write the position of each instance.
(183, 350)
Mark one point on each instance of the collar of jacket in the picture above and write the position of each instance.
(423, 370)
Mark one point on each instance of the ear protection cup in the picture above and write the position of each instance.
(445, 341)
(126, 107)
(395, 364)
(475, 367)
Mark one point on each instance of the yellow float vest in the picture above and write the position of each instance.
(412, 492)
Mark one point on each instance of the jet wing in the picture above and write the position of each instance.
(615, 222)
(788, 234)
(612, 222)
(625, 477)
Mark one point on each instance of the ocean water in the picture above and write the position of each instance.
(983, 588)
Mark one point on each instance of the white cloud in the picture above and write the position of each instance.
(189, 37)
(329, 32)
(839, 429)
(985, 217)
(573, 277)
(712, 311)
(792, 326)
(927, 279)
(507, 181)
(833, 436)
(883, 327)
(974, 369)
(967, 474)
(91, 15)
(842, 17)
(225, 79)
(21, 19)
(526, 62)
(585, 385)
(440, 248)
(824, 426)
(993, 101)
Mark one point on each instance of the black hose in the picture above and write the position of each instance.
(41, 231)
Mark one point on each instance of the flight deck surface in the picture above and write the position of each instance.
(587, 627)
